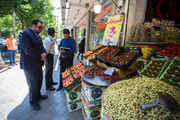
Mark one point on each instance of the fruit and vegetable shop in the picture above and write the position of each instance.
(139, 80)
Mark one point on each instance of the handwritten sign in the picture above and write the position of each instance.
(112, 30)
(109, 71)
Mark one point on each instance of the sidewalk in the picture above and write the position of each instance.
(14, 98)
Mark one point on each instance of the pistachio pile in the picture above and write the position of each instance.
(123, 99)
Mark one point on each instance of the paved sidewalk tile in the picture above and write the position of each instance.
(14, 99)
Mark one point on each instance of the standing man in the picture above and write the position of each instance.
(48, 43)
(67, 49)
(11, 44)
(32, 58)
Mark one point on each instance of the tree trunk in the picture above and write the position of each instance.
(14, 26)
(22, 21)
(0, 33)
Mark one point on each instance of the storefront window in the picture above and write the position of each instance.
(99, 25)
(81, 35)
(97, 31)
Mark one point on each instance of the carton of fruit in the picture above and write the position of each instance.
(89, 73)
(66, 74)
(69, 83)
(92, 92)
(125, 60)
(155, 68)
(77, 66)
(97, 47)
(87, 54)
(172, 74)
(73, 95)
(93, 112)
(75, 105)
(108, 78)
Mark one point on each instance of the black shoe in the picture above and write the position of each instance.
(35, 106)
(59, 88)
(54, 83)
(43, 97)
(50, 88)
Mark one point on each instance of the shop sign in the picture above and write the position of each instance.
(82, 26)
(112, 30)
(103, 13)
(100, 26)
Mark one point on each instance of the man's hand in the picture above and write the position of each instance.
(43, 57)
(62, 50)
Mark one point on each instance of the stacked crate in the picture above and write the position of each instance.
(91, 100)
(72, 86)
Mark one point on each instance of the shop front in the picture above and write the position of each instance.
(111, 83)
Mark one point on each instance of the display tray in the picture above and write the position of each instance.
(149, 43)
(169, 77)
(95, 80)
(155, 70)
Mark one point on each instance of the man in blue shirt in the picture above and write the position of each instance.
(67, 49)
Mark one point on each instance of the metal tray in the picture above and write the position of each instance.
(149, 43)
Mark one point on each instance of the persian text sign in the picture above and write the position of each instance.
(112, 30)
(103, 13)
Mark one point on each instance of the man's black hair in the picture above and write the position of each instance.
(65, 31)
(35, 22)
(51, 30)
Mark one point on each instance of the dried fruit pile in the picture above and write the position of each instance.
(154, 68)
(125, 58)
(172, 74)
(123, 100)
(172, 50)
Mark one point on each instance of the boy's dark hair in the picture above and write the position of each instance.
(65, 31)
(51, 30)
(35, 22)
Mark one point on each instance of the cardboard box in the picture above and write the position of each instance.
(93, 112)
(89, 103)
(73, 106)
(73, 95)
(92, 92)
(85, 116)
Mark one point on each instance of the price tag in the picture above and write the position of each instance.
(109, 71)
(87, 62)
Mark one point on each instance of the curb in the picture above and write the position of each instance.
(9, 67)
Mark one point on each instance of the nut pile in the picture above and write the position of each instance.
(123, 100)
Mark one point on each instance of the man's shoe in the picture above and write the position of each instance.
(50, 88)
(54, 83)
(35, 106)
(42, 97)
(59, 88)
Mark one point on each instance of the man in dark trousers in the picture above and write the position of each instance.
(32, 58)
(48, 43)
(81, 48)
(67, 49)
